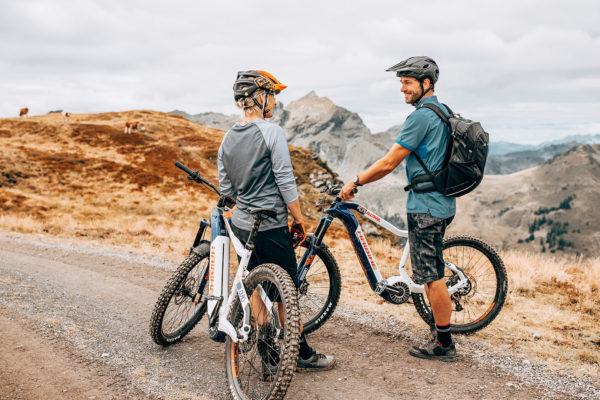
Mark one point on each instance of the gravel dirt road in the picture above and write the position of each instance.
(74, 325)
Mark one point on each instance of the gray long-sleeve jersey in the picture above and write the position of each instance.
(255, 168)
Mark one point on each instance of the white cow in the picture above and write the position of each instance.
(66, 115)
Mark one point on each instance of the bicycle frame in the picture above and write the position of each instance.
(218, 311)
(343, 211)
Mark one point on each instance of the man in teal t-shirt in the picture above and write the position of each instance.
(428, 214)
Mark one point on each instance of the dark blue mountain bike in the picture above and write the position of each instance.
(475, 274)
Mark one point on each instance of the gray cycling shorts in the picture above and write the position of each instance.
(426, 234)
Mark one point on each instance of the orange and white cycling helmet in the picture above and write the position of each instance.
(247, 82)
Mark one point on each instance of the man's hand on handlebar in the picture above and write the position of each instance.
(348, 191)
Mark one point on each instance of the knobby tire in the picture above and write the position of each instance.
(245, 362)
(178, 293)
(322, 294)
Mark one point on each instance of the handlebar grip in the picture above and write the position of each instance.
(183, 167)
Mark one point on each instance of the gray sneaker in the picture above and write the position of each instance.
(316, 362)
(434, 351)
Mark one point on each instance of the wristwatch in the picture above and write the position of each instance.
(355, 181)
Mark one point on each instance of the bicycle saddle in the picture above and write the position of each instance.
(264, 213)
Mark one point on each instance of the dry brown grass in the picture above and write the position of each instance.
(86, 179)
(87, 182)
(551, 314)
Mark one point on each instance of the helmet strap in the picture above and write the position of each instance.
(265, 110)
(263, 106)
(423, 92)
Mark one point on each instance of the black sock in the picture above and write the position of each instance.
(305, 350)
(443, 335)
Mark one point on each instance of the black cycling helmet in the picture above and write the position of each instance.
(247, 82)
(420, 67)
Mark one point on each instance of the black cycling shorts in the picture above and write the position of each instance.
(271, 246)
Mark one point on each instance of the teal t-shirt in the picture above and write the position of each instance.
(426, 134)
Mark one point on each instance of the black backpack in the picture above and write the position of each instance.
(463, 166)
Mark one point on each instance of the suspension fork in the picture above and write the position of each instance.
(315, 244)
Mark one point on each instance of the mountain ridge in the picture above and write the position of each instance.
(550, 207)
(341, 138)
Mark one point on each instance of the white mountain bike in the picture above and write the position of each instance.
(258, 320)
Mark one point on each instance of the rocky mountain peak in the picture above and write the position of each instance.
(313, 115)
(313, 102)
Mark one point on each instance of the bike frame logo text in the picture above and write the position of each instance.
(211, 281)
(363, 242)
(373, 216)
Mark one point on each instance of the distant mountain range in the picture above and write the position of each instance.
(510, 196)
(211, 119)
(551, 207)
(317, 123)
(499, 148)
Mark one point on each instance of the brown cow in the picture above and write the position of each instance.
(134, 125)
(23, 113)
(66, 115)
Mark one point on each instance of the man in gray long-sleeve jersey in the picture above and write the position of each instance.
(255, 168)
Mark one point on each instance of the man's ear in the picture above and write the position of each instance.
(426, 83)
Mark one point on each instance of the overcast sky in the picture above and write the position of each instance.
(528, 70)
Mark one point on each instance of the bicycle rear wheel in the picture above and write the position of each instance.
(319, 293)
(175, 313)
(476, 305)
(263, 366)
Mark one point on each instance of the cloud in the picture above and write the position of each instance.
(500, 61)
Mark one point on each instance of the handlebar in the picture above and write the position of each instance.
(194, 176)
(333, 190)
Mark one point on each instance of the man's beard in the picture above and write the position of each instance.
(411, 97)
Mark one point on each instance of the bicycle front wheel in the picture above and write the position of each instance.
(319, 292)
(262, 367)
(477, 304)
(176, 313)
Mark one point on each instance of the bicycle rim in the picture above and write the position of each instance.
(476, 305)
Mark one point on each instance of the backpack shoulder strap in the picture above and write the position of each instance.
(439, 112)
(446, 120)
(449, 109)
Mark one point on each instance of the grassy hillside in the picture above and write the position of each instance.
(86, 178)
